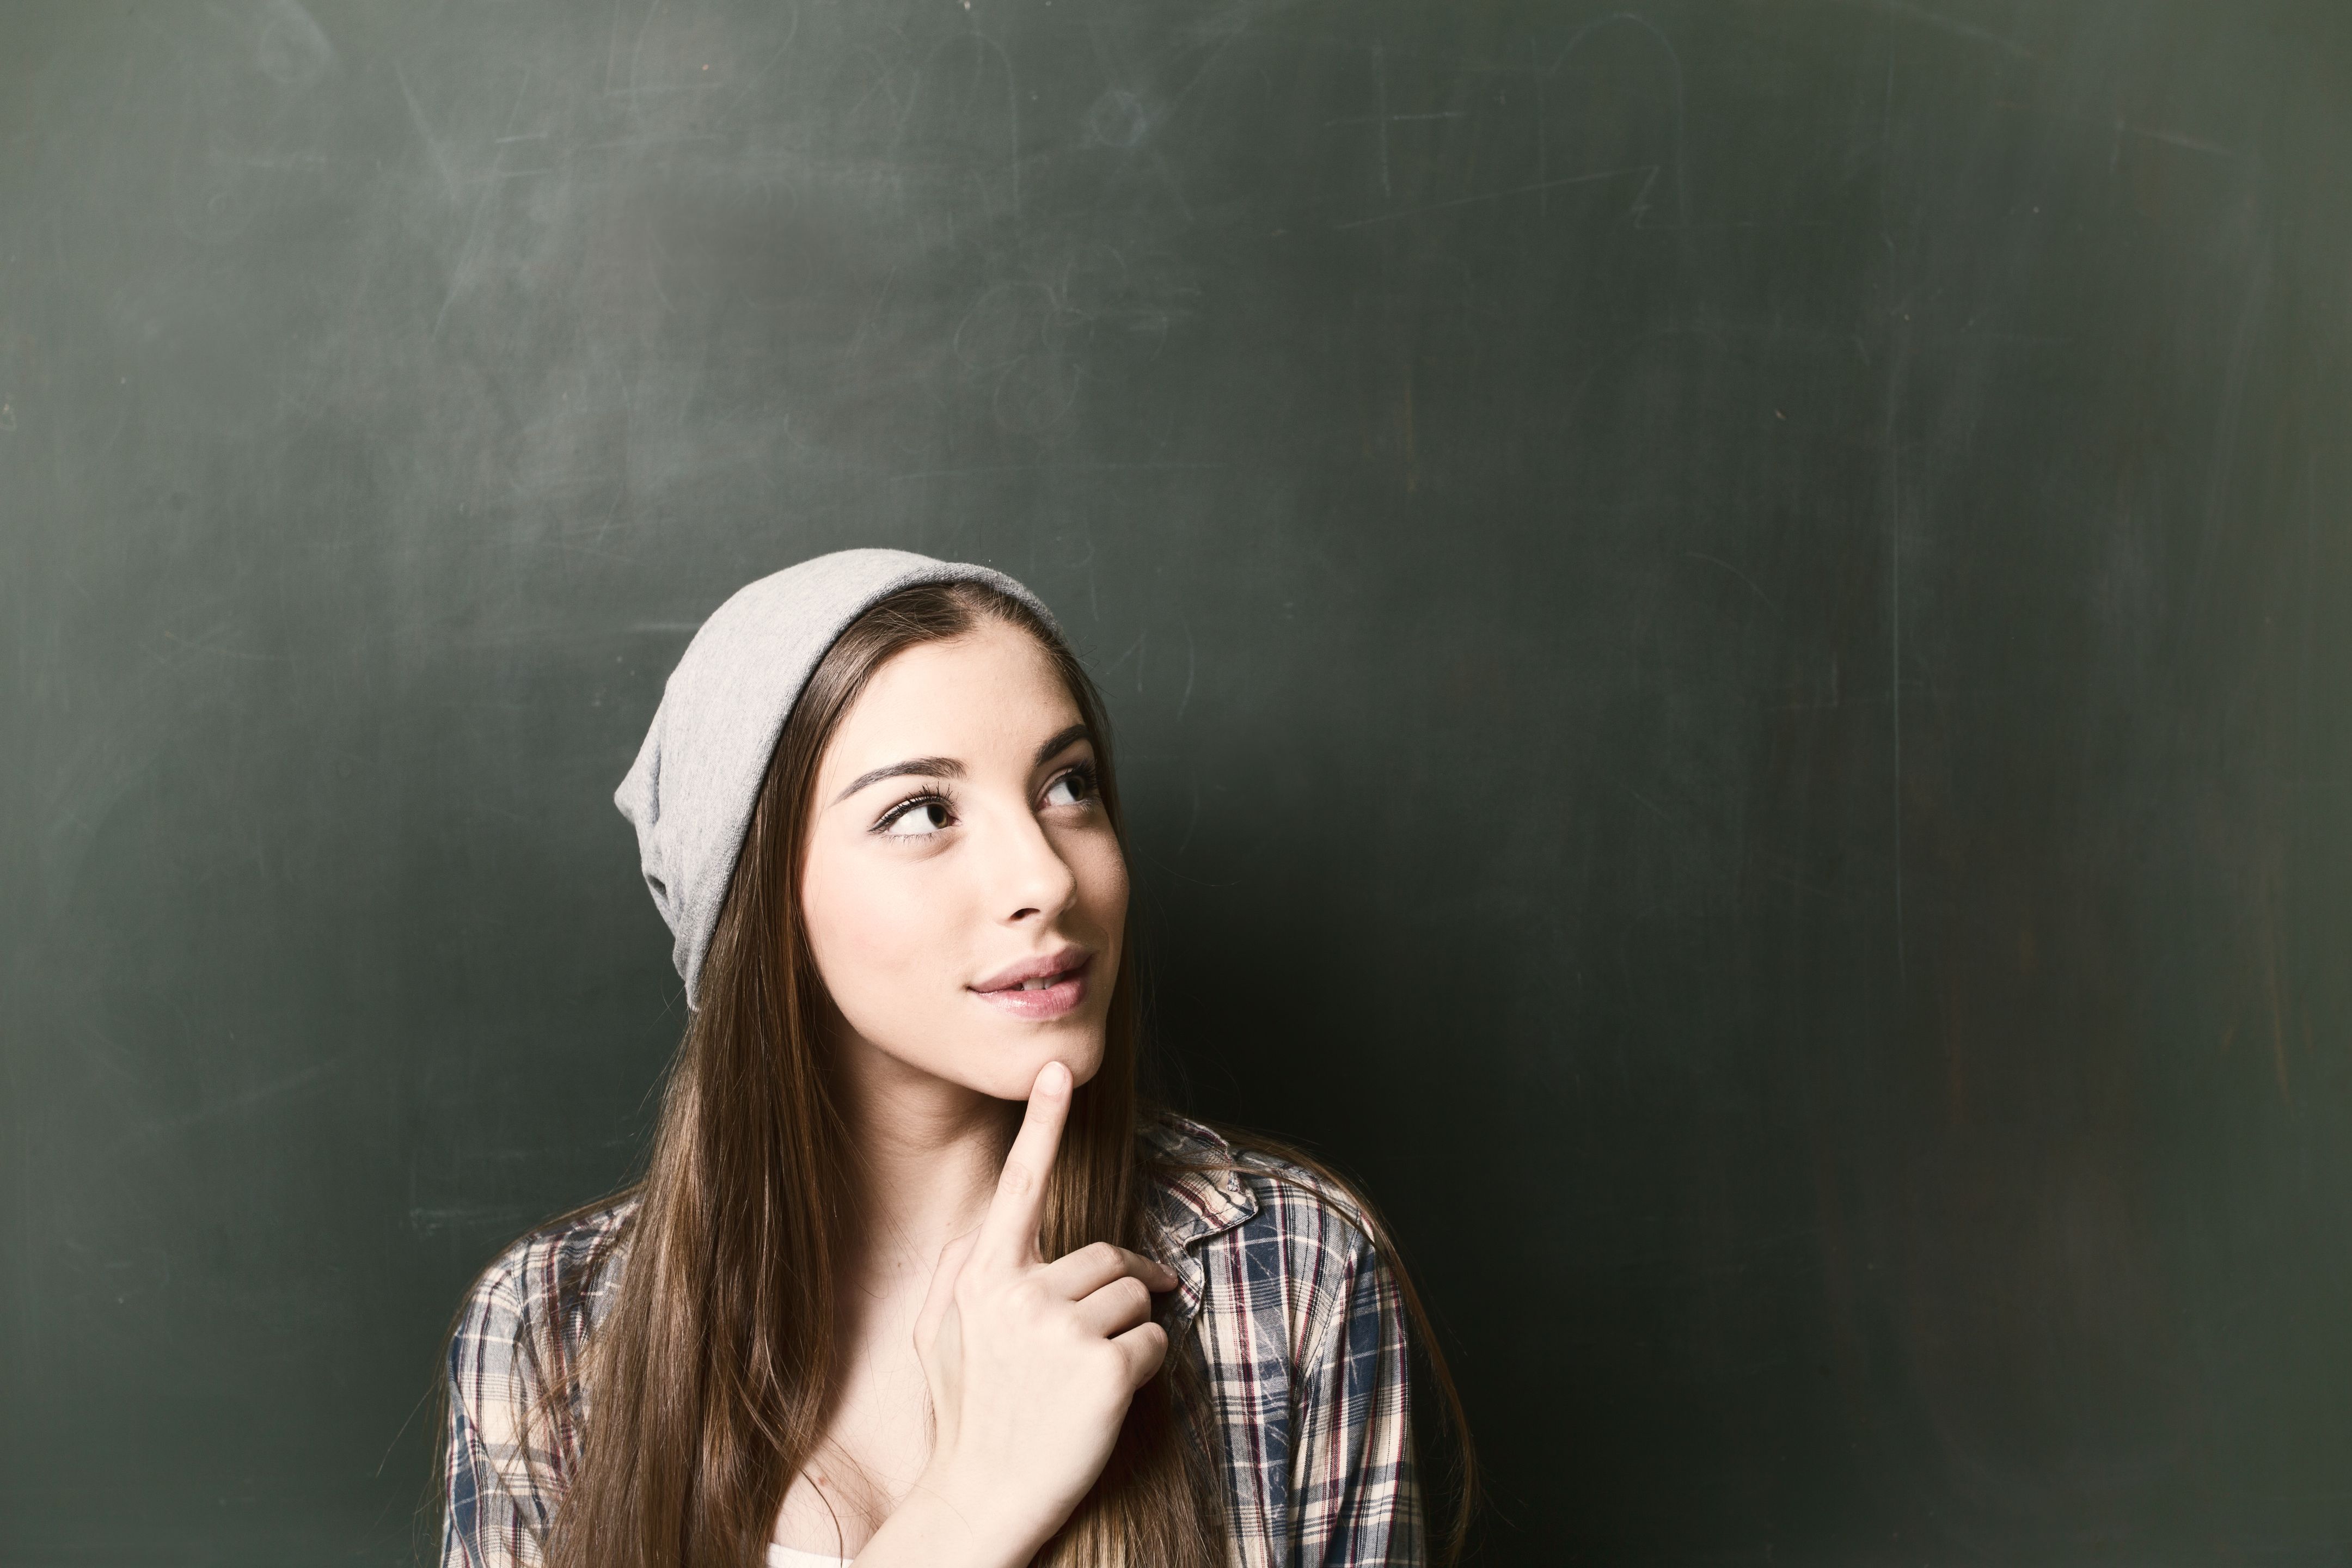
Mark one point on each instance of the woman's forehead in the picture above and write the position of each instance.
(994, 688)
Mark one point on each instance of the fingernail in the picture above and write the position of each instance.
(1057, 1077)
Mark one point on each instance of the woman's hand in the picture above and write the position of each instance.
(1031, 1364)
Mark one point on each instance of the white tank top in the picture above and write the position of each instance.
(781, 1556)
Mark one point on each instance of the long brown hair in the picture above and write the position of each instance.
(709, 1386)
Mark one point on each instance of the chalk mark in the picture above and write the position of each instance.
(215, 647)
(1955, 27)
(1674, 62)
(1190, 665)
(1896, 365)
(2174, 139)
(1135, 650)
(760, 74)
(1496, 196)
(425, 133)
(261, 1094)
(1894, 660)
(1727, 566)
(1052, 469)
(1397, 119)
(2227, 421)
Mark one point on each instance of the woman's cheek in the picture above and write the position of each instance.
(871, 941)
(897, 942)
(1103, 880)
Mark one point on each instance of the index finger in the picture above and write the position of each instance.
(1009, 1233)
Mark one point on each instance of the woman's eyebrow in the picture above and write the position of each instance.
(949, 768)
(919, 767)
(1068, 737)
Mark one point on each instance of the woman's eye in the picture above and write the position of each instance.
(918, 818)
(1071, 789)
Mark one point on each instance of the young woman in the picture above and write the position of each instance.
(867, 1303)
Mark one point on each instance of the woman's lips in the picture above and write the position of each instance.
(1038, 996)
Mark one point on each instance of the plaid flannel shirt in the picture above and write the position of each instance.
(1292, 1316)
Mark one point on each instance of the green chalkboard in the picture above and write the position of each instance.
(1728, 624)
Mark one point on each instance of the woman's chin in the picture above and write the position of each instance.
(1012, 1073)
(995, 1055)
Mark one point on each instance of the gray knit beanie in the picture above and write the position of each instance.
(697, 777)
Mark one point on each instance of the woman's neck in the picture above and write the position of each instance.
(926, 1154)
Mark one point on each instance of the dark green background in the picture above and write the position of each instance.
(1727, 621)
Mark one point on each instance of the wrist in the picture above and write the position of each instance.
(940, 1524)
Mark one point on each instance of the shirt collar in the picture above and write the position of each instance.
(1188, 1203)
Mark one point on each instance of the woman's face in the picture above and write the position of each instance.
(963, 891)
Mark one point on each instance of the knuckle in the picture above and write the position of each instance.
(1016, 1180)
(1099, 1255)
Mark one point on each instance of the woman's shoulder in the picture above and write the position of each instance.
(1221, 1182)
(561, 1275)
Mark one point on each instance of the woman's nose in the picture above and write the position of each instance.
(1032, 882)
